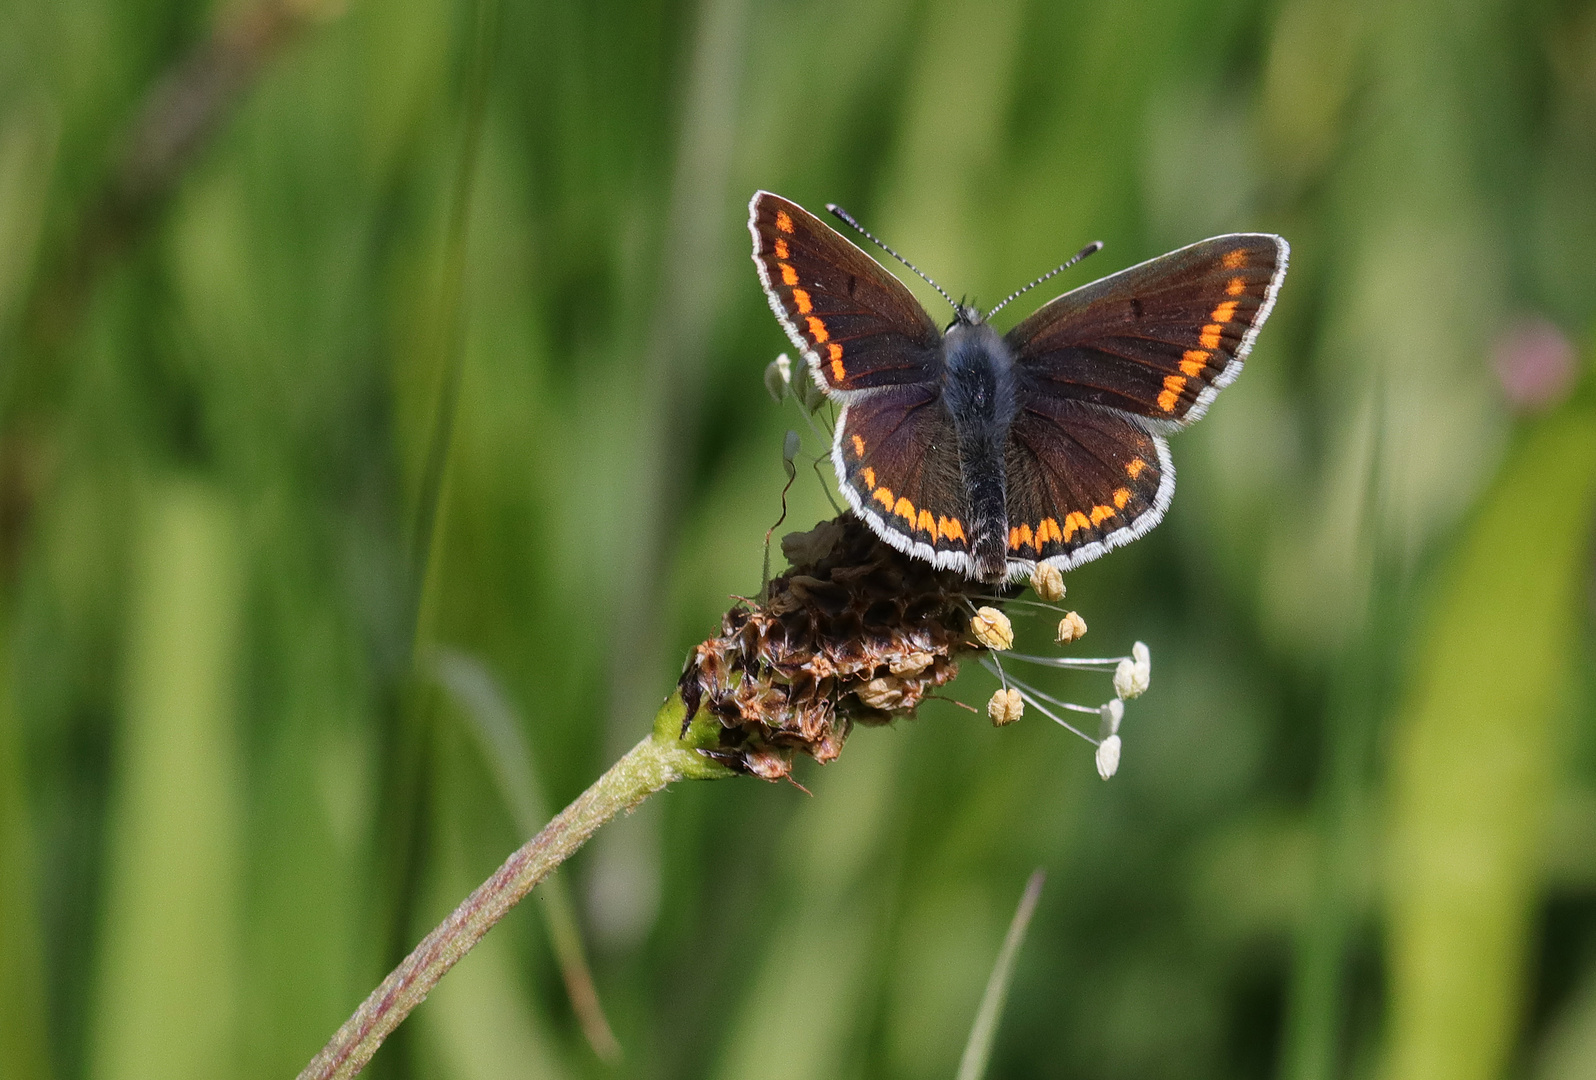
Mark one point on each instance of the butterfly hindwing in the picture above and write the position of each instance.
(856, 324)
(1160, 339)
(896, 453)
(1082, 480)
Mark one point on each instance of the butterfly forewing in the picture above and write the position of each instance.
(897, 456)
(1160, 339)
(856, 324)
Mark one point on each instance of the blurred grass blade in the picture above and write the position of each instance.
(170, 970)
(1477, 756)
(972, 1066)
(24, 1044)
(493, 722)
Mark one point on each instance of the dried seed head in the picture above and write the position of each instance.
(1070, 628)
(854, 632)
(1005, 707)
(1108, 757)
(1047, 582)
(992, 628)
(885, 693)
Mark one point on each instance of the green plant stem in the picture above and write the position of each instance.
(648, 767)
(978, 1050)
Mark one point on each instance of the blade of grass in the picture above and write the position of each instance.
(493, 722)
(978, 1050)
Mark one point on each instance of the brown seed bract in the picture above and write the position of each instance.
(854, 632)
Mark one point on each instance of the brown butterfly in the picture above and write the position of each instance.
(987, 454)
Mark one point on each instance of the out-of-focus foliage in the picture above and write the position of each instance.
(1354, 831)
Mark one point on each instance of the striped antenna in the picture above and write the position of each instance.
(845, 216)
(1090, 249)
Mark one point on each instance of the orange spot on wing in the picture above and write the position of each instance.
(1075, 522)
(950, 528)
(1236, 286)
(1014, 539)
(1209, 338)
(1121, 497)
(1026, 540)
(1047, 530)
(801, 298)
(905, 509)
(781, 249)
(1101, 514)
(1234, 260)
(817, 330)
(838, 372)
(1193, 362)
(789, 276)
(869, 475)
(858, 446)
(1224, 312)
(1134, 469)
(1173, 385)
(883, 496)
(783, 221)
(928, 524)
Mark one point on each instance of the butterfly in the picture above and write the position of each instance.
(987, 454)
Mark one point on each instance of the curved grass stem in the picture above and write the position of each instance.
(648, 767)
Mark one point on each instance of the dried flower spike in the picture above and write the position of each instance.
(1048, 583)
(992, 628)
(1071, 628)
(854, 632)
(1005, 707)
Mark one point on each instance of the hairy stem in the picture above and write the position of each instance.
(648, 767)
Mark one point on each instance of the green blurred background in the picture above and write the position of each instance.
(374, 372)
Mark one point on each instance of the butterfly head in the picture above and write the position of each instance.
(965, 315)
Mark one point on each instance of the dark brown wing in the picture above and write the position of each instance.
(1160, 339)
(897, 457)
(1082, 480)
(856, 324)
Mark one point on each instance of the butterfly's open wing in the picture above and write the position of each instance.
(897, 458)
(1103, 368)
(1082, 480)
(1160, 339)
(856, 324)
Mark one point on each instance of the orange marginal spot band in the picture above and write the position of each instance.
(858, 447)
(801, 298)
(817, 329)
(1224, 312)
(869, 475)
(1236, 286)
(883, 496)
(1193, 362)
(1101, 514)
(1134, 469)
(781, 249)
(1020, 536)
(1075, 522)
(1234, 260)
(950, 528)
(928, 524)
(905, 509)
(783, 221)
(789, 276)
(1173, 385)
(835, 350)
(1121, 497)
(838, 372)
(1209, 338)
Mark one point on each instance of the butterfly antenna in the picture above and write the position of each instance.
(844, 215)
(1090, 249)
